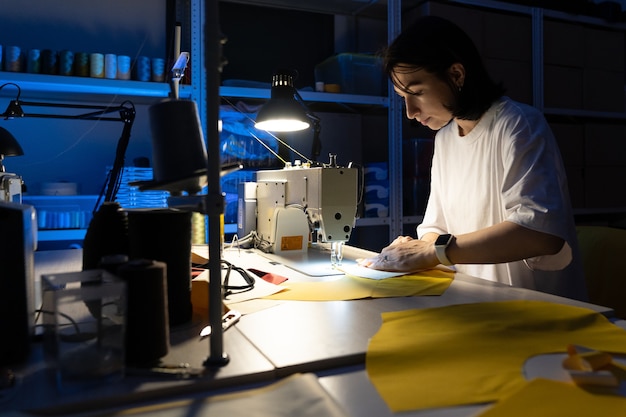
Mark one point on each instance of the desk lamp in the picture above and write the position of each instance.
(126, 115)
(286, 111)
(8, 146)
(10, 184)
(327, 188)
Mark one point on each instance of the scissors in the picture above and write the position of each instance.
(228, 319)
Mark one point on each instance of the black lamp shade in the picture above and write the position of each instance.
(282, 113)
(8, 144)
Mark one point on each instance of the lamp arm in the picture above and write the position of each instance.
(19, 90)
(13, 106)
(115, 176)
(270, 150)
(308, 112)
(316, 148)
(14, 110)
(126, 115)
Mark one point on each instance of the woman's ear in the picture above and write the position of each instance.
(456, 72)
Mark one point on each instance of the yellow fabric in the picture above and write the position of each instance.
(545, 398)
(602, 252)
(474, 353)
(431, 282)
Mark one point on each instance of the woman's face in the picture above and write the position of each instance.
(427, 98)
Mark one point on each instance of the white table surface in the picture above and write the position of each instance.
(329, 338)
(36, 387)
(312, 336)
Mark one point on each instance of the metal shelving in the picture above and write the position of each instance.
(595, 102)
(86, 89)
(538, 16)
(309, 96)
(391, 11)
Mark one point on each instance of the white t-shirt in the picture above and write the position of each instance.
(508, 168)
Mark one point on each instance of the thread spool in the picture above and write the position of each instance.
(13, 59)
(107, 234)
(198, 229)
(81, 64)
(111, 263)
(180, 163)
(49, 62)
(33, 63)
(147, 321)
(158, 69)
(123, 67)
(142, 69)
(66, 62)
(96, 65)
(164, 235)
(110, 66)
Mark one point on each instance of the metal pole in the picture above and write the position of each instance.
(395, 133)
(214, 198)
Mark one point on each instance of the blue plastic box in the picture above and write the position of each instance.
(355, 74)
(376, 171)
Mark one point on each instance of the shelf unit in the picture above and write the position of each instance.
(73, 89)
(395, 11)
(90, 90)
(394, 221)
(538, 17)
(86, 89)
(60, 235)
(318, 97)
(100, 90)
(336, 7)
(573, 80)
(308, 96)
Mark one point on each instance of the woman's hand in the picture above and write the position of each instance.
(404, 254)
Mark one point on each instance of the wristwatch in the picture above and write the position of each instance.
(441, 244)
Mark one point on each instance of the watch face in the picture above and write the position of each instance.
(443, 240)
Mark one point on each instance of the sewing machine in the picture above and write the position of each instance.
(301, 204)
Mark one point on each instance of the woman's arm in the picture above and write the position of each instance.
(503, 242)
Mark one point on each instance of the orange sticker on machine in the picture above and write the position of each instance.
(291, 243)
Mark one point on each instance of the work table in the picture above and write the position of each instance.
(329, 338)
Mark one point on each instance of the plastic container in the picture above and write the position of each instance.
(62, 212)
(376, 210)
(84, 327)
(376, 171)
(377, 192)
(129, 196)
(354, 73)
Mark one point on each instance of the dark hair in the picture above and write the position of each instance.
(433, 44)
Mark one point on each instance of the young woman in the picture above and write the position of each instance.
(499, 206)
